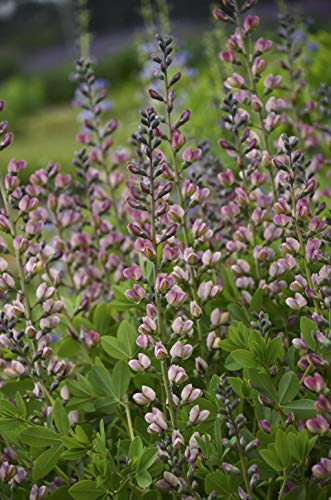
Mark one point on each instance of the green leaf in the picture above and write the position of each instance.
(120, 379)
(86, 490)
(102, 318)
(68, 347)
(20, 404)
(263, 384)
(112, 347)
(275, 350)
(46, 462)
(136, 448)
(282, 448)
(222, 483)
(236, 384)
(127, 336)
(144, 479)
(7, 409)
(238, 313)
(256, 303)
(215, 482)
(60, 493)
(245, 359)
(39, 437)
(297, 493)
(61, 418)
(306, 327)
(271, 459)
(302, 408)
(147, 459)
(288, 387)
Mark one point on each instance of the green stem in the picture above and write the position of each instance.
(302, 245)
(128, 418)
(193, 282)
(264, 133)
(164, 367)
(281, 492)
(20, 267)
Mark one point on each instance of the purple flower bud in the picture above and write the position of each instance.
(315, 383)
(250, 23)
(271, 82)
(189, 395)
(169, 481)
(201, 365)
(160, 352)
(322, 405)
(145, 397)
(137, 294)
(264, 425)
(181, 327)
(177, 439)
(235, 81)
(177, 374)
(230, 469)
(179, 350)
(296, 303)
(198, 416)
(226, 178)
(195, 309)
(38, 493)
(6, 141)
(207, 290)
(155, 95)
(317, 425)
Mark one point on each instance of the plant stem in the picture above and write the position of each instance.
(281, 492)
(128, 418)
(19, 262)
(164, 367)
(264, 134)
(193, 282)
(300, 238)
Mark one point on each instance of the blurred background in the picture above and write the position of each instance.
(40, 40)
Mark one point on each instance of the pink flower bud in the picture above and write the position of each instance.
(181, 327)
(176, 296)
(137, 294)
(317, 425)
(160, 352)
(198, 416)
(226, 178)
(177, 374)
(250, 23)
(296, 303)
(315, 383)
(179, 350)
(145, 397)
(195, 309)
(189, 395)
(264, 425)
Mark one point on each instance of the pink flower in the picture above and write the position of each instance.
(189, 156)
(296, 303)
(271, 82)
(177, 374)
(198, 416)
(315, 383)
(188, 394)
(145, 397)
(317, 425)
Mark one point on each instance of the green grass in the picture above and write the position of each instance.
(49, 135)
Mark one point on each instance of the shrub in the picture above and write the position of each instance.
(166, 334)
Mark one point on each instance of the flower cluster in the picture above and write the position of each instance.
(165, 328)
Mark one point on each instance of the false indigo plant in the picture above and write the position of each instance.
(165, 331)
